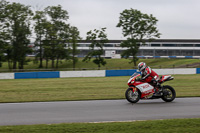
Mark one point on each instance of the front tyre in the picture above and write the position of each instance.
(132, 97)
(169, 94)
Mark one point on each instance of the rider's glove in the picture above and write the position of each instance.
(153, 81)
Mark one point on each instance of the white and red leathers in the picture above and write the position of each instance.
(148, 74)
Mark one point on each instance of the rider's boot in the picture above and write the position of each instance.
(160, 91)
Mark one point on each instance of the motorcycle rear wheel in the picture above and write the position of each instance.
(132, 97)
(169, 94)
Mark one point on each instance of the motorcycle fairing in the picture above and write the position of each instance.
(145, 89)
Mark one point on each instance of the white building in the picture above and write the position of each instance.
(164, 48)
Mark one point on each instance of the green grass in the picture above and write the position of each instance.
(63, 89)
(118, 64)
(154, 126)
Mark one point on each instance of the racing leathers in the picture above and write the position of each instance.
(150, 76)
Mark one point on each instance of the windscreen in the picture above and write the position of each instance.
(135, 74)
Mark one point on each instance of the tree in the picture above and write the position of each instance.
(1, 54)
(39, 27)
(17, 30)
(74, 37)
(98, 38)
(47, 52)
(61, 53)
(62, 50)
(56, 31)
(138, 28)
(4, 36)
(132, 50)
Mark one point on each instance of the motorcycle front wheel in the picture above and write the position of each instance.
(169, 94)
(132, 97)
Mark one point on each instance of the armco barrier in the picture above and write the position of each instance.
(110, 73)
(176, 71)
(6, 75)
(187, 57)
(94, 73)
(28, 75)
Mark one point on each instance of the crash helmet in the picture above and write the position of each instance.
(141, 66)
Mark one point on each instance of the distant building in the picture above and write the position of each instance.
(159, 48)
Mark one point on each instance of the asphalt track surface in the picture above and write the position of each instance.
(97, 111)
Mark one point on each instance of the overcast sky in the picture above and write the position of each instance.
(177, 19)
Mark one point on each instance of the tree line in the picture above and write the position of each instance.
(56, 39)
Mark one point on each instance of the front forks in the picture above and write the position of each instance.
(134, 89)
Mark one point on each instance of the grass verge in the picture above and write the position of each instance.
(153, 126)
(115, 64)
(63, 89)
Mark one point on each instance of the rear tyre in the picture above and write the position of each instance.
(169, 94)
(132, 97)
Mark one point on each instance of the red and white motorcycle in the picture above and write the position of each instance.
(139, 89)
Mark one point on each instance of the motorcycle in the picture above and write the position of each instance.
(139, 89)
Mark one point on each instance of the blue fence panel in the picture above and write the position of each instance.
(110, 73)
(189, 57)
(48, 74)
(198, 71)
(30, 75)
(156, 56)
(141, 56)
(172, 56)
(25, 75)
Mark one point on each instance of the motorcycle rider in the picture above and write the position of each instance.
(148, 75)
